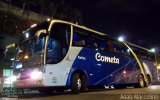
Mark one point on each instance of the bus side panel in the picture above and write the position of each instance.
(101, 72)
(57, 74)
(82, 62)
(127, 73)
(94, 70)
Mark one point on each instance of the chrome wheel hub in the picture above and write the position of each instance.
(141, 82)
(79, 83)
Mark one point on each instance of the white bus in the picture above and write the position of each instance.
(58, 55)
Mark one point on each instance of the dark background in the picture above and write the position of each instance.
(137, 20)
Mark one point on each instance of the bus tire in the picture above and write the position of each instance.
(140, 83)
(84, 83)
(76, 83)
(147, 82)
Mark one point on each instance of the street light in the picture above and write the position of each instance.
(34, 25)
(153, 50)
(27, 35)
(48, 19)
(12, 59)
(121, 39)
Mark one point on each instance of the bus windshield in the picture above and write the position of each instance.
(29, 33)
(30, 49)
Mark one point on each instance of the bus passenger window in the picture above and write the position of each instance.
(102, 45)
(126, 51)
(95, 45)
(80, 43)
(110, 46)
(115, 50)
(79, 39)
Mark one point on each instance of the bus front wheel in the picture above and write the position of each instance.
(76, 83)
(84, 83)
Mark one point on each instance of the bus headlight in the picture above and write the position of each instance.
(11, 79)
(35, 74)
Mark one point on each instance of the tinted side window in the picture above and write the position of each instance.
(88, 39)
(120, 48)
(143, 54)
(84, 38)
(80, 37)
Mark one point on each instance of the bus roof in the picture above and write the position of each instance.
(91, 30)
(79, 26)
(137, 46)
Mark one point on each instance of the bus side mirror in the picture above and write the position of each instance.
(41, 33)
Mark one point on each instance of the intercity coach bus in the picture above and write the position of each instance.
(58, 55)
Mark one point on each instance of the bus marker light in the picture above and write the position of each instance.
(124, 72)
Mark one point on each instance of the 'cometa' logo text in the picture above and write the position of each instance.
(102, 58)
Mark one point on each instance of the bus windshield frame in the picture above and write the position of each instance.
(31, 47)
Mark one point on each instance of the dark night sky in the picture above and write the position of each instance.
(138, 20)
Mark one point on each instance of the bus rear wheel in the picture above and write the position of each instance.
(141, 82)
(147, 82)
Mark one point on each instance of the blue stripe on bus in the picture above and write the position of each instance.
(101, 73)
(124, 66)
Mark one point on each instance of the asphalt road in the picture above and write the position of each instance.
(149, 93)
